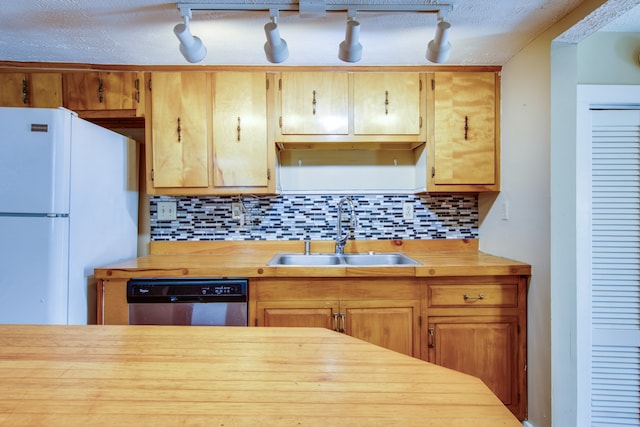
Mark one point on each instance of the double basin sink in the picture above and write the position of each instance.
(386, 259)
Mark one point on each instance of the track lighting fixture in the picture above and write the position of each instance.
(275, 48)
(191, 47)
(439, 48)
(351, 49)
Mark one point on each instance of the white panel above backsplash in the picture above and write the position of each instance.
(347, 171)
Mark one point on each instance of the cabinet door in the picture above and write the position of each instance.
(386, 103)
(15, 92)
(43, 90)
(314, 103)
(483, 346)
(464, 128)
(392, 324)
(179, 132)
(100, 91)
(240, 140)
(312, 314)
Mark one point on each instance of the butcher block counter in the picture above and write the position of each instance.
(250, 258)
(217, 376)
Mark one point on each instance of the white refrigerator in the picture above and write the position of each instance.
(68, 204)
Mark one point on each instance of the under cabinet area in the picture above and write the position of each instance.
(477, 325)
(382, 311)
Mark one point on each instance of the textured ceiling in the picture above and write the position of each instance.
(484, 32)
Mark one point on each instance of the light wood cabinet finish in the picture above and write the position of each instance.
(38, 90)
(477, 325)
(100, 94)
(379, 311)
(112, 302)
(240, 142)
(329, 110)
(208, 134)
(464, 121)
(314, 103)
(387, 104)
(178, 139)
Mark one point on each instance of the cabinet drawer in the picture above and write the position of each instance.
(482, 295)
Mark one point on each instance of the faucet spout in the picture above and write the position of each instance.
(341, 238)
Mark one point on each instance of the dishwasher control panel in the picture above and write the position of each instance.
(186, 290)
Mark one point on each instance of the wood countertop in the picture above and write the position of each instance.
(217, 376)
(250, 258)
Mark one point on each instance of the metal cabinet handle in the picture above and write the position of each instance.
(25, 92)
(386, 102)
(335, 322)
(467, 297)
(238, 129)
(136, 84)
(431, 338)
(466, 127)
(179, 131)
(100, 90)
(342, 321)
(314, 102)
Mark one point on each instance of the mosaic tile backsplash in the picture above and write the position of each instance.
(296, 217)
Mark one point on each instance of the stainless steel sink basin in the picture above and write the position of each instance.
(387, 259)
(306, 260)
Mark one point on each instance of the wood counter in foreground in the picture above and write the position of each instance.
(215, 376)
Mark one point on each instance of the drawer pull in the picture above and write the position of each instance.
(473, 297)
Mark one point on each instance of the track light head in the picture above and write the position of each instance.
(439, 48)
(351, 49)
(191, 47)
(275, 48)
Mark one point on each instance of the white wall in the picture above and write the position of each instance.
(538, 183)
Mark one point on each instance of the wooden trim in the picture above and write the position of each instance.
(273, 246)
(66, 66)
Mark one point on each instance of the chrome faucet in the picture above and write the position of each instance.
(341, 240)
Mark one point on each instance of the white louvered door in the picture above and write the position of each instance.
(615, 268)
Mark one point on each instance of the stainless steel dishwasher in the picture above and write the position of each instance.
(186, 301)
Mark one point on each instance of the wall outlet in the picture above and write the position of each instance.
(236, 210)
(167, 211)
(407, 211)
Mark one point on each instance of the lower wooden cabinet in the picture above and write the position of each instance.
(477, 325)
(384, 312)
(112, 302)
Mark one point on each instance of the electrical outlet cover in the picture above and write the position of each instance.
(167, 211)
(407, 211)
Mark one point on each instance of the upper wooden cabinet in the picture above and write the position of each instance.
(314, 103)
(387, 104)
(177, 131)
(103, 93)
(207, 133)
(357, 110)
(464, 122)
(41, 90)
(240, 138)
